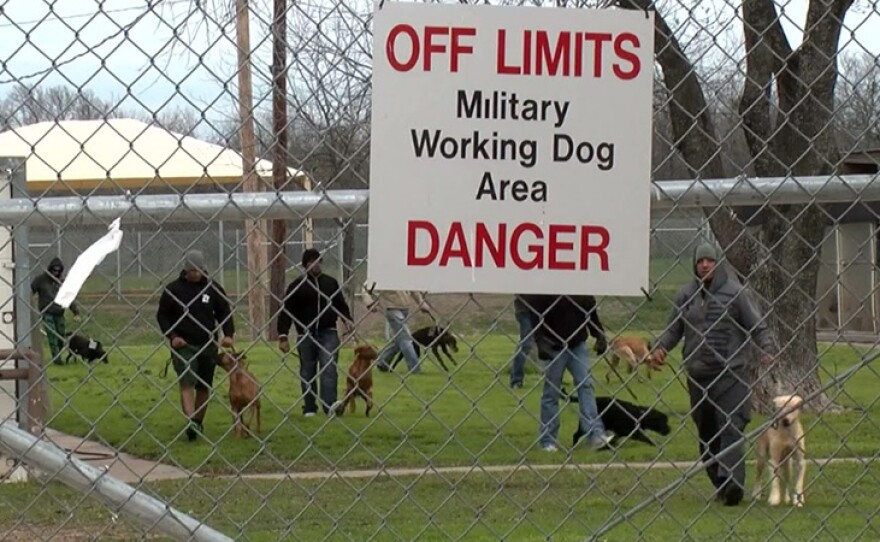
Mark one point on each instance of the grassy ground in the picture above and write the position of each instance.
(470, 416)
(559, 505)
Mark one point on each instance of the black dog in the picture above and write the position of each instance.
(86, 348)
(436, 339)
(627, 420)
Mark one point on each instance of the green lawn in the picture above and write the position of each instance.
(561, 505)
(466, 418)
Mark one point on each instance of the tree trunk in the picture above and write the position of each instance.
(782, 266)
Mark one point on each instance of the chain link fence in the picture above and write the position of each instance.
(177, 115)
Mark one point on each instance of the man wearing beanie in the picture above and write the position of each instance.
(313, 303)
(46, 286)
(716, 319)
(190, 309)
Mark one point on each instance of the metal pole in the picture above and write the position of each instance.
(220, 256)
(140, 261)
(152, 512)
(14, 168)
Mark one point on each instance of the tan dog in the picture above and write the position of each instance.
(359, 380)
(782, 445)
(244, 392)
(634, 350)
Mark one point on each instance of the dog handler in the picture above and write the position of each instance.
(561, 334)
(399, 304)
(190, 310)
(313, 303)
(716, 318)
(46, 287)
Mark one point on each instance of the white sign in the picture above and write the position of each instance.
(511, 149)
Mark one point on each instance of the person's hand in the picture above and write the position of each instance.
(226, 342)
(177, 342)
(283, 345)
(658, 358)
(766, 359)
(601, 346)
(76, 318)
(348, 327)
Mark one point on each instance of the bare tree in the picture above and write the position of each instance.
(858, 102)
(786, 107)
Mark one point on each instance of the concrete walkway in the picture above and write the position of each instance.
(122, 466)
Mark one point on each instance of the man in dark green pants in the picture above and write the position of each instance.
(190, 309)
(46, 287)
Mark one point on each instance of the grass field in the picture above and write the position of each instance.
(467, 418)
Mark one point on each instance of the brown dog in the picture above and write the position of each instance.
(359, 380)
(634, 350)
(244, 392)
(782, 445)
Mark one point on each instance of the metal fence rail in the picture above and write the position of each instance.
(242, 129)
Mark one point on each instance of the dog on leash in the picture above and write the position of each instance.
(85, 348)
(359, 381)
(627, 420)
(435, 338)
(634, 350)
(782, 446)
(244, 393)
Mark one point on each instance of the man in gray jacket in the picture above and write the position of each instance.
(716, 320)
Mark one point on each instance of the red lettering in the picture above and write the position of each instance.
(598, 249)
(391, 47)
(455, 247)
(485, 244)
(457, 48)
(537, 251)
(561, 54)
(554, 246)
(626, 55)
(430, 46)
(564, 247)
(413, 227)
(501, 59)
(598, 40)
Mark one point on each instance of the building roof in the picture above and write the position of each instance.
(126, 153)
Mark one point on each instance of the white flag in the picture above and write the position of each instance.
(86, 263)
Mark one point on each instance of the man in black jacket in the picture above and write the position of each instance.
(561, 336)
(46, 286)
(190, 309)
(312, 303)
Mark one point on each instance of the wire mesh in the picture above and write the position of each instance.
(175, 98)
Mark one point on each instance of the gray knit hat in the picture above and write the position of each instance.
(705, 251)
(194, 260)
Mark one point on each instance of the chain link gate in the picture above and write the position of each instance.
(171, 115)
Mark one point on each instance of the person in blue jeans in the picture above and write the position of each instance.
(313, 303)
(527, 320)
(561, 335)
(399, 306)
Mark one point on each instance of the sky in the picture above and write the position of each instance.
(132, 57)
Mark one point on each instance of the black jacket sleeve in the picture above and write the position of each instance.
(285, 315)
(339, 302)
(223, 310)
(167, 314)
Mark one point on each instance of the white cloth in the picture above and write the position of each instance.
(86, 263)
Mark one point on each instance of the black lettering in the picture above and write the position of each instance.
(518, 190)
(471, 109)
(487, 187)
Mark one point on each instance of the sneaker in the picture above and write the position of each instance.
(600, 442)
(516, 385)
(309, 414)
(550, 448)
(193, 430)
(733, 495)
(336, 409)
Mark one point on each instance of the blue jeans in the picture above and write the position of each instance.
(401, 341)
(577, 360)
(527, 322)
(318, 350)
